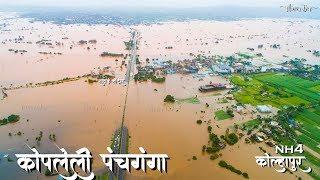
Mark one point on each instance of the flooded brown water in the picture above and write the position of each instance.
(80, 115)
(160, 127)
(86, 115)
(227, 38)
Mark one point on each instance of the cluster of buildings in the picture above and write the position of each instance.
(214, 65)
(91, 41)
(99, 71)
(264, 135)
(201, 66)
(212, 87)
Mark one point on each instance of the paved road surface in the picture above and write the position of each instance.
(123, 130)
(133, 56)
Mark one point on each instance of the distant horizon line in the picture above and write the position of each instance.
(129, 15)
(144, 6)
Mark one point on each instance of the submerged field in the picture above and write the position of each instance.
(281, 91)
(222, 115)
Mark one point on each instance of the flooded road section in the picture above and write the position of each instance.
(82, 115)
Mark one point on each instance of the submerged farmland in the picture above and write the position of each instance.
(297, 98)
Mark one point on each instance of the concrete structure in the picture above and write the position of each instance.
(222, 69)
(239, 109)
(263, 109)
(274, 123)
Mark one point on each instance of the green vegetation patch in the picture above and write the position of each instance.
(282, 91)
(297, 86)
(315, 88)
(90, 81)
(192, 100)
(215, 145)
(169, 98)
(222, 115)
(276, 89)
(223, 101)
(310, 117)
(310, 120)
(211, 94)
(104, 176)
(10, 119)
(294, 100)
(158, 79)
(311, 143)
(109, 54)
(233, 169)
(252, 124)
(128, 44)
(316, 53)
(230, 138)
(246, 55)
(145, 76)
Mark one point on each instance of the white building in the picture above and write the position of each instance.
(222, 69)
(263, 109)
(274, 123)
(239, 109)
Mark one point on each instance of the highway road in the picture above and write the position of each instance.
(130, 70)
(133, 57)
(120, 144)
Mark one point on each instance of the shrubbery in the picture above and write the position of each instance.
(214, 156)
(90, 81)
(233, 169)
(158, 79)
(230, 112)
(199, 121)
(245, 175)
(215, 143)
(231, 138)
(169, 98)
(144, 77)
(212, 149)
(10, 119)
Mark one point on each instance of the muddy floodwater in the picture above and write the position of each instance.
(81, 114)
(173, 129)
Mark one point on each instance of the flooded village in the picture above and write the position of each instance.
(207, 93)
